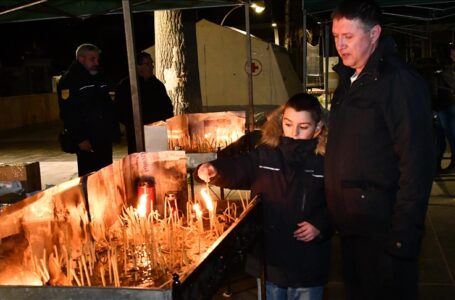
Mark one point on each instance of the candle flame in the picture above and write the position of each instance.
(207, 199)
(197, 209)
(142, 206)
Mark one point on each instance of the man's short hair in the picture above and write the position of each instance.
(141, 56)
(84, 48)
(367, 11)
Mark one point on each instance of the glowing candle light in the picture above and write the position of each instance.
(207, 200)
(146, 193)
(197, 209)
(210, 207)
(142, 206)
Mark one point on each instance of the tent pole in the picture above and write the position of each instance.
(135, 95)
(304, 50)
(326, 67)
(250, 116)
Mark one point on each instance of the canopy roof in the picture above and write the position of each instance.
(418, 10)
(14, 10)
(30, 10)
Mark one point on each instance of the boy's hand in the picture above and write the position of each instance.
(206, 172)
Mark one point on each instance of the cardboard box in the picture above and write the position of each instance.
(155, 137)
(205, 132)
(27, 173)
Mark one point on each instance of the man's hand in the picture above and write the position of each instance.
(306, 232)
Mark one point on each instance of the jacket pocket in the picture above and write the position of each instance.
(366, 207)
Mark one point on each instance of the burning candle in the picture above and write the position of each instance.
(146, 193)
(197, 210)
(207, 199)
(142, 206)
(210, 206)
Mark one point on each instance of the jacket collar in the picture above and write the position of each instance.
(80, 70)
(374, 66)
(290, 147)
(78, 67)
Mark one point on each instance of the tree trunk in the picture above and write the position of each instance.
(176, 59)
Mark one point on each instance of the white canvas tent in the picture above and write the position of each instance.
(222, 70)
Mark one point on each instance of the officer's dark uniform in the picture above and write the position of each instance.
(87, 112)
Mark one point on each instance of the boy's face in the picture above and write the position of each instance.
(298, 125)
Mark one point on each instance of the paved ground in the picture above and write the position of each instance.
(437, 261)
(39, 143)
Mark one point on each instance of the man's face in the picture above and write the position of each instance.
(90, 61)
(145, 68)
(354, 42)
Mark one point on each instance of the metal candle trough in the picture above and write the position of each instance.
(54, 223)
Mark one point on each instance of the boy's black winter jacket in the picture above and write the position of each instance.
(290, 182)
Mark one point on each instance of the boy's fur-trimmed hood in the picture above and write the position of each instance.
(272, 130)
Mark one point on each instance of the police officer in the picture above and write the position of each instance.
(87, 110)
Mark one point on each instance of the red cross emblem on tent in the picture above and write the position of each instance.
(256, 67)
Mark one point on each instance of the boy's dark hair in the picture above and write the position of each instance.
(305, 102)
(272, 129)
(367, 11)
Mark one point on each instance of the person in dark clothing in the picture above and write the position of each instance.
(286, 169)
(154, 102)
(430, 70)
(380, 158)
(87, 110)
(446, 108)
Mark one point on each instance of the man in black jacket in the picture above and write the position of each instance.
(87, 110)
(445, 107)
(154, 102)
(379, 162)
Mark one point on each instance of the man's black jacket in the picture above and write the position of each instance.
(379, 161)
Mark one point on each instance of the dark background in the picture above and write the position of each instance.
(28, 46)
(32, 52)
